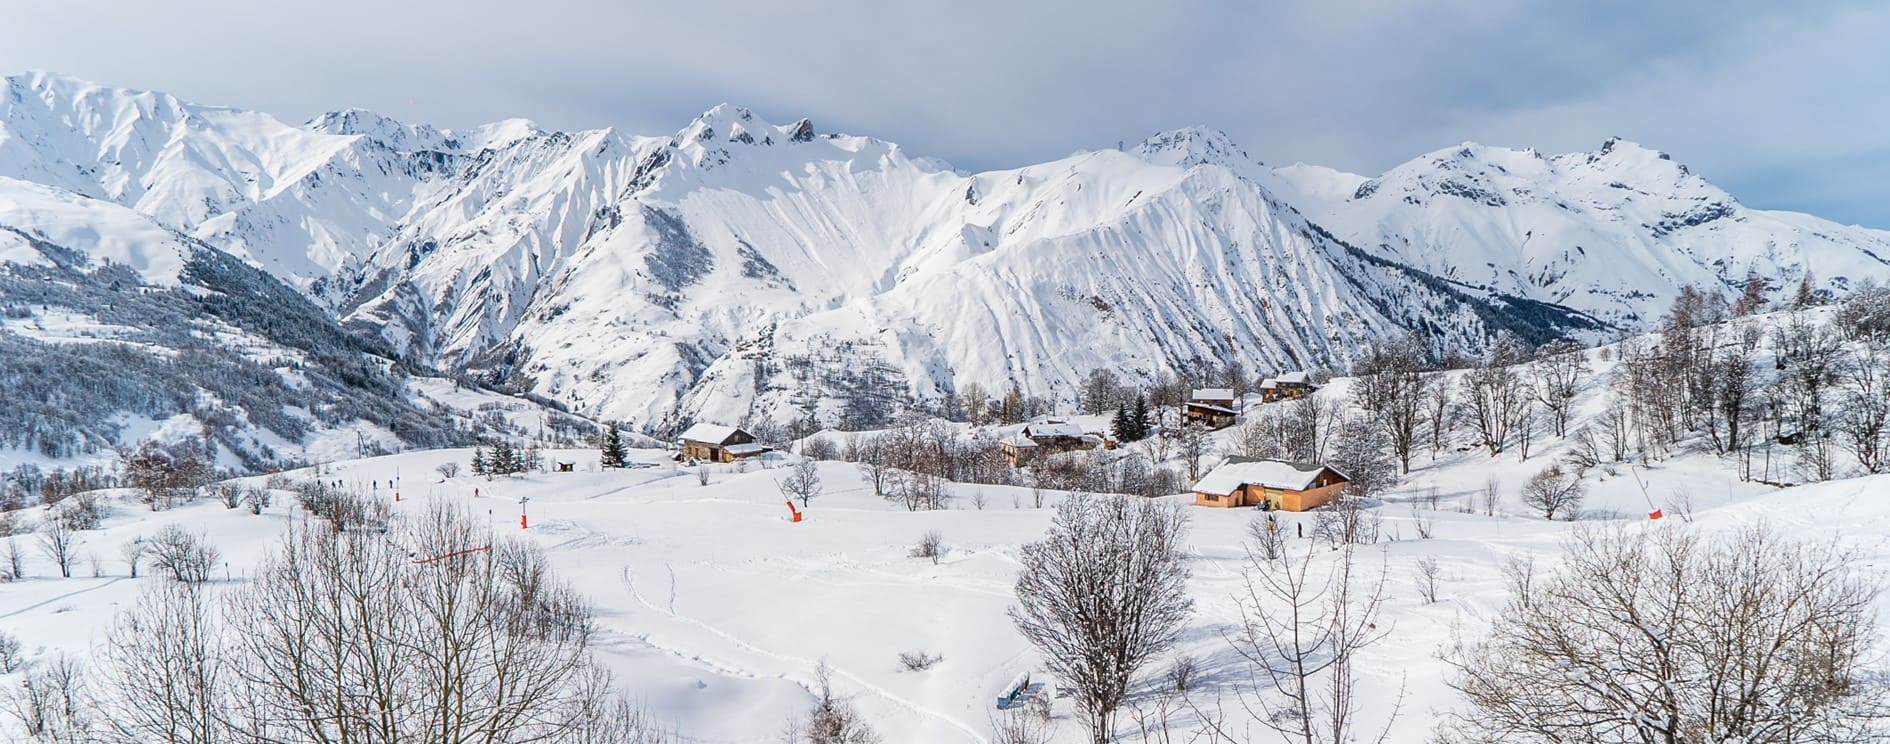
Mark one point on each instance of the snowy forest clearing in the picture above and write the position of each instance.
(714, 609)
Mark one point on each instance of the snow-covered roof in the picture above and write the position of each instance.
(1210, 407)
(1269, 384)
(1213, 394)
(1052, 429)
(1295, 378)
(709, 433)
(1019, 440)
(1286, 476)
(746, 449)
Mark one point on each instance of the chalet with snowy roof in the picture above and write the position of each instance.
(1215, 407)
(1045, 438)
(717, 443)
(1286, 386)
(1287, 486)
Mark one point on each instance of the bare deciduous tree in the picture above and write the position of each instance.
(59, 542)
(186, 557)
(1392, 388)
(162, 673)
(1102, 594)
(51, 703)
(1668, 636)
(1554, 491)
(1301, 631)
(802, 482)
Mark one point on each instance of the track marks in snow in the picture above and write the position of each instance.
(793, 663)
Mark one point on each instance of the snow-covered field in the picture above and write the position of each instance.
(714, 608)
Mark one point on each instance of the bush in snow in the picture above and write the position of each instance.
(9, 653)
(832, 720)
(918, 661)
(187, 558)
(931, 545)
(257, 499)
(1669, 635)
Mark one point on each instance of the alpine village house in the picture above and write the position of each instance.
(1217, 408)
(1044, 438)
(717, 443)
(1269, 484)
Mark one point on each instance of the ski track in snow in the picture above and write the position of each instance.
(971, 733)
(63, 597)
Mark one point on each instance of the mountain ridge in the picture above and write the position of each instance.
(737, 268)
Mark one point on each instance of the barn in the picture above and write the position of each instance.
(718, 443)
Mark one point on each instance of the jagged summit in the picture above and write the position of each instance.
(730, 124)
(384, 129)
(1191, 146)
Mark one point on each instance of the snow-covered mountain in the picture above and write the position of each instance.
(1611, 232)
(741, 268)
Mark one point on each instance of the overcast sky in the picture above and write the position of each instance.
(1787, 105)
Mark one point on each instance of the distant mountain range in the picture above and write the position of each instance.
(739, 269)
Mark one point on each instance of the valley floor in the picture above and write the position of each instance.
(714, 607)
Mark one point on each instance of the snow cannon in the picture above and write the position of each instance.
(1655, 514)
(1015, 690)
(795, 514)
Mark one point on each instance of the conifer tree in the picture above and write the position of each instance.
(1121, 425)
(614, 454)
(479, 466)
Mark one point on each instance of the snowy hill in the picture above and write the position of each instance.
(742, 268)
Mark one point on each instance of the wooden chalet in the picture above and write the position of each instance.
(1045, 438)
(1278, 484)
(717, 443)
(1216, 407)
(1286, 386)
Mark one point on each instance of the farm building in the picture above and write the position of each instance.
(717, 443)
(1286, 386)
(1216, 407)
(1288, 486)
(1045, 438)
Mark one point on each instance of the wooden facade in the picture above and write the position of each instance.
(713, 443)
(1216, 408)
(1286, 386)
(1277, 484)
(1043, 439)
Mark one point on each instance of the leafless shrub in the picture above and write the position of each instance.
(1103, 593)
(84, 511)
(1427, 575)
(16, 558)
(1433, 496)
(702, 475)
(258, 499)
(229, 494)
(1668, 635)
(832, 720)
(978, 499)
(1424, 526)
(51, 702)
(1347, 521)
(1029, 723)
(133, 552)
(918, 661)
(931, 545)
(448, 469)
(9, 653)
(187, 558)
(1491, 496)
(819, 448)
(1183, 673)
(1265, 537)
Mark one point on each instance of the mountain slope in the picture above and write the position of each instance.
(1612, 232)
(739, 268)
